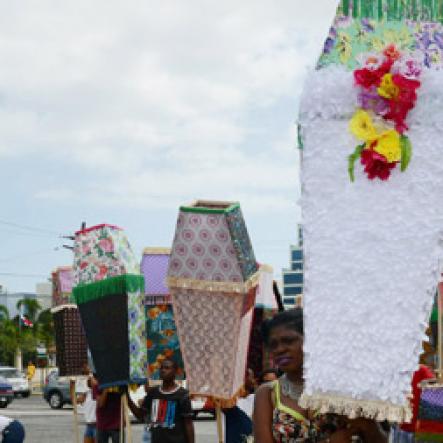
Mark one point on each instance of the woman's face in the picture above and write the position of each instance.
(286, 347)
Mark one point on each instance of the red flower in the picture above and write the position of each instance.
(366, 77)
(376, 165)
(403, 103)
(371, 77)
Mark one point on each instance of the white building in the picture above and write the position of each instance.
(43, 295)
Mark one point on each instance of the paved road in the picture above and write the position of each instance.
(43, 424)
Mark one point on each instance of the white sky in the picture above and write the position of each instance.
(119, 112)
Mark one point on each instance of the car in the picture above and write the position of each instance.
(17, 379)
(56, 390)
(6, 393)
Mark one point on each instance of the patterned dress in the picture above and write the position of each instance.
(290, 426)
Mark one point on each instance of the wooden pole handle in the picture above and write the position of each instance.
(127, 420)
(74, 410)
(218, 413)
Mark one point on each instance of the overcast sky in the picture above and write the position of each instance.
(119, 112)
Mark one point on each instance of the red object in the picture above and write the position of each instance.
(422, 373)
(376, 165)
(400, 106)
(372, 77)
(108, 416)
(429, 426)
(392, 53)
(26, 322)
(92, 228)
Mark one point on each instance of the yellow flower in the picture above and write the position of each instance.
(388, 89)
(362, 127)
(388, 145)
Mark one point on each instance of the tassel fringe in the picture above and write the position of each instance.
(354, 408)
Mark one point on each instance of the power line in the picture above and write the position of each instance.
(26, 234)
(30, 254)
(27, 227)
(14, 274)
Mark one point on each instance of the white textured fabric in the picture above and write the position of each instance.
(372, 248)
(4, 422)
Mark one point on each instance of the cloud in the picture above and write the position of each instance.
(152, 102)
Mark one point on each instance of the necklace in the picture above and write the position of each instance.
(290, 389)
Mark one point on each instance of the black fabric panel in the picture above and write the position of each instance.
(106, 325)
(70, 341)
(255, 351)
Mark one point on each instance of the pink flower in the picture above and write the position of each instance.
(106, 245)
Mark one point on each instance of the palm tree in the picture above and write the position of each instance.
(45, 328)
(8, 337)
(31, 307)
(4, 313)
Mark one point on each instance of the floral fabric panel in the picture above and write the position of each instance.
(154, 268)
(349, 38)
(214, 338)
(203, 249)
(101, 253)
(137, 336)
(242, 243)
(62, 281)
(162, 339)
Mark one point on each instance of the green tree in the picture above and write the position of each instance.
(4, 313)
(45, 328)
(8, 337)
(31, 307)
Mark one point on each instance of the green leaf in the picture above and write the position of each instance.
(406, 152)
(352, 159)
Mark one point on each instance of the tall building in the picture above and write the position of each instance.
(293, 277)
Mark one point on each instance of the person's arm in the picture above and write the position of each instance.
(189, 429)
(187, 414)
(369, 430)
(139, 412)
(262, 417)
(102, 398)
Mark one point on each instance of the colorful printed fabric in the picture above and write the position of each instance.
(70, 341)
(100, 252)
(62, 281)
(162, 339)
(349, 37)
(212, 244)
(154, 268)
(138, 359)
(242, 243)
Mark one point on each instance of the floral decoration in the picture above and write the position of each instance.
(387, 90)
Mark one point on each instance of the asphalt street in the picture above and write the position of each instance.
(43, 424)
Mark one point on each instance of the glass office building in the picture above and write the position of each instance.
(293, 277)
